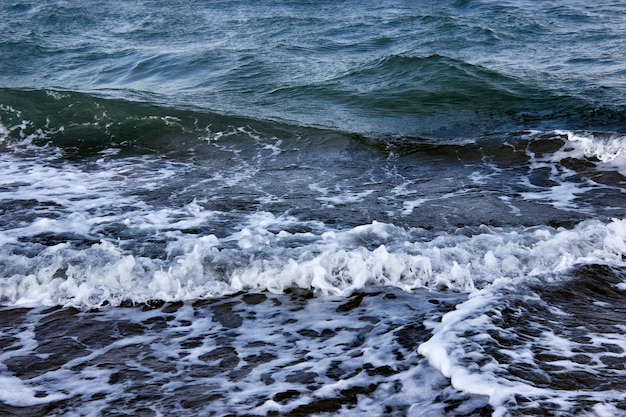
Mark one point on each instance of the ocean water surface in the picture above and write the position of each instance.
(297, 208)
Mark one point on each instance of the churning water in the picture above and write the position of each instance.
(214, 208)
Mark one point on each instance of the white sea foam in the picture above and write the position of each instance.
(565, 186)
(14, 392)
(462, 346)
(276, 346)
(465, 361)
(70, 208)
(57, 249)
(607, 148)
(335, 262)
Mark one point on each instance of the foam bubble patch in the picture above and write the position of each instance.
(264, 256)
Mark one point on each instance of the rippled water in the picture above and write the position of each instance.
(312, 208)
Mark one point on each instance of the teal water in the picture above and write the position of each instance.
(216, 208)
(385, 67)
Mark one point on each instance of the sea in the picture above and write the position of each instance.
(312, 208)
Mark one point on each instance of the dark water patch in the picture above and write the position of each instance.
(352, 304)
(595, 285)
(331, 405)
(286, 395)
(36, 411)
(226, 356)
(53, 239)
(254, 299)
(224, 314)
(412, 335)
(12, 318)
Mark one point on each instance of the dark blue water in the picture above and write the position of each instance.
(312, 208)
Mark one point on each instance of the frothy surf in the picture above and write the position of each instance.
(460, 279)
(260, 258)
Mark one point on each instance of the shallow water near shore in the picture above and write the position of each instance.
(253, 353)
(312, 208)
